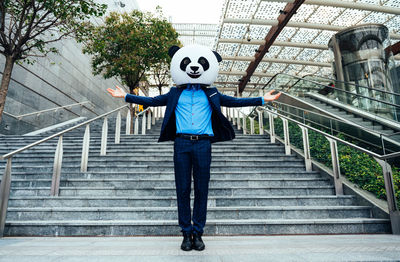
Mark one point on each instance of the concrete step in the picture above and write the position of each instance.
(214, 227)
(170, 201)
(170, 213)
(149, 182)
(171, 191)
(153, 160)
(224, 174)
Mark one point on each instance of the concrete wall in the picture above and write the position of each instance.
(54, 81)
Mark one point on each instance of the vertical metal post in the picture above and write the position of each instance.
(153, 116)
(306, 146)
(244, 124)
(148, 120)
(136, 128)
(128, 123)
(336, 166)
(260, 123)
(104, 135)
(5, 195)
(394, 212)
(238, 120)
(118, 128)
(143, 123)
(251, 125)
(228, 115)
(233, 116)
(271, 127)
(55, 181)
(162, 111)
(286, 136)
(85, 149)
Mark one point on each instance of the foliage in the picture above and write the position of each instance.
(128, 45)
(28, 26)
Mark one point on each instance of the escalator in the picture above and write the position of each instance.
(367, 115)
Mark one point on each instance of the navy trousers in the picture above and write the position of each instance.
(191, 156)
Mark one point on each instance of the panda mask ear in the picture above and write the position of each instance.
(172, 50)
(219, 58)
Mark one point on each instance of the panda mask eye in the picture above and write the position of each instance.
(204, 63)
(184, 63)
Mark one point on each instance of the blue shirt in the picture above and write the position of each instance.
(193, 112)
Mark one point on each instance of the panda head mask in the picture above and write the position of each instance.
(194, 64)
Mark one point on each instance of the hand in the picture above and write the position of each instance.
(269, 97)
(118, 92)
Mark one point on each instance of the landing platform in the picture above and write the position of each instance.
(218, 249)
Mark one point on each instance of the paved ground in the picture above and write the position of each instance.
(221, 249)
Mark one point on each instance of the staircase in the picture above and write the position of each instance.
(254, 189)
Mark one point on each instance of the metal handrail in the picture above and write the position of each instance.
(8, 155)
(19, 117)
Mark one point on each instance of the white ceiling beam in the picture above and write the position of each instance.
(277, 60)
(276, 43)
(345, 4)
(236, 83)
(243, 73)
(294, 24)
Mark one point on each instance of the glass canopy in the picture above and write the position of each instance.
(302, 46)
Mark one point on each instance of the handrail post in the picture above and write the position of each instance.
(335, 166)
(85, 149)
(233, 116)
(104, 135)
(144, 123)
(271, 127)
(394, 212)
(251, 125)
(244, 124)
(260, 123)
(286, 136)
(149, 119)
(5, 187)
(228, 115)
(128, 123)
(118, 128)
(136, 129)
(238, 120)
(306, 146)
(55, 181)
(153, 116)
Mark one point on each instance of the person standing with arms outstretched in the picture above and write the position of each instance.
(193, 120)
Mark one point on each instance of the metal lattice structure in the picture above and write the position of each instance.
(302, 46)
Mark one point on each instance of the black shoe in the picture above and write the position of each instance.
(187, 241)
(198, 243)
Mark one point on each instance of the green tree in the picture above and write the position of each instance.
(27, 27)
(129, 45)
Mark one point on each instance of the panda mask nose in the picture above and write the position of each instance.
(194, 68)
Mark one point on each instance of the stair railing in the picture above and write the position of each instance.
(5, 185)
(55, 109)
(393, 209)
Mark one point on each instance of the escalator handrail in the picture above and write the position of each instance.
(348, 83)
(340, 90)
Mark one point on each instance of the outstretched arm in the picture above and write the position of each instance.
(141, 100)
(230, 101)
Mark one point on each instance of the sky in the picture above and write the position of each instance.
(186, 11)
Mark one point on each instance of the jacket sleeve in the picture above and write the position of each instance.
(147, 101)
(230, 101)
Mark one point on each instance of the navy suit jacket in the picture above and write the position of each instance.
(222, 129)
